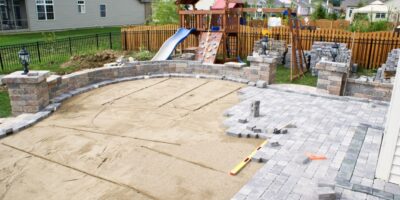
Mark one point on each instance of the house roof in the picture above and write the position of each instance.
(277, 3)
(353, 3)
(376, 6)
(220, 4)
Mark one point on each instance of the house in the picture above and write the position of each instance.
(394, 10)
(41, 15)
(304, 7)
(376, 11)
(388, 168)
(349, 5)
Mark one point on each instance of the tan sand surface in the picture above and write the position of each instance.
(147, 139)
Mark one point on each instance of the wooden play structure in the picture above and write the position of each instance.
(217, 30)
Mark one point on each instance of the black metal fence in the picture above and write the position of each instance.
(57, 50)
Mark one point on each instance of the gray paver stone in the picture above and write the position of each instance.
(361, 188)
(326, 193)
(382, 194)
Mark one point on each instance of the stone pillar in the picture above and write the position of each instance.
(262, 68)
(332, 77)
(28, 93)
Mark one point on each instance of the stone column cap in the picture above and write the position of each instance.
(265, 59)
(332, 66)
(31, 78)
(235, 64)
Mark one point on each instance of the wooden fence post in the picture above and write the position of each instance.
(38, 52)
(148, 40)
(125, 41)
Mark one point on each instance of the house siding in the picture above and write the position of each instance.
(388, 167)
(395, 171)
(121, 12)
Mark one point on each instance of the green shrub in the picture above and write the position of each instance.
(379, 26)
(365, 26)
(143, 55)
(359, 26)
(333, 16)
(319, 13)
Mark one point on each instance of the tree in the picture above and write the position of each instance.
(333, 16)
(319, 13)
(164, 12)
(271, 3)
(336, 3)
(360, 4)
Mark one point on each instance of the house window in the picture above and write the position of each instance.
(102, 10)
(350, 12)
(380, 15)
(45, 9)
(81, 7)
(3, 12)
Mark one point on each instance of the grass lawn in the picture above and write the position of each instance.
(5, 107)
(19, 38)
(55, 67)
(366, 72)
(283, 76)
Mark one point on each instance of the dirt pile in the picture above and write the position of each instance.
(3, 88)
(92, 60)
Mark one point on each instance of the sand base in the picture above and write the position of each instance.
(148, 139)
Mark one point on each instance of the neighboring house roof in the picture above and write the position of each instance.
(286, 3)
(353, 3)
(205, 4)
(220, 4)
(376, 6)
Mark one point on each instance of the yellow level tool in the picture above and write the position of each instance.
(246, 161)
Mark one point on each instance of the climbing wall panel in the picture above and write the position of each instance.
(208, 47)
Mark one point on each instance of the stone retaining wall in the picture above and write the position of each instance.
(369, 90)
(321, 50)
(274, 48)
(333, 79)
(59, 85)
(387, 72)
(55, 87)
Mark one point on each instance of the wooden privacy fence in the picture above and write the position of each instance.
(329, 24)
(369, 50)
(152, 37)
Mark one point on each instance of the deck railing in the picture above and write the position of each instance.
(204, 20)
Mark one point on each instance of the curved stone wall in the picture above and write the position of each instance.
(59, 85)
